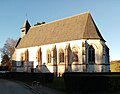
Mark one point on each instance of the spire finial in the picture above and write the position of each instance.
(26, 15)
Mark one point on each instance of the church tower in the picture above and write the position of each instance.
(26, 26)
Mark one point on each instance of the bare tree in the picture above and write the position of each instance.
(8, 48)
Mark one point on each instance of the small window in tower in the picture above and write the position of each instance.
(22, 30)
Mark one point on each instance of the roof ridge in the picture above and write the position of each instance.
(62, 19)
(68, 29)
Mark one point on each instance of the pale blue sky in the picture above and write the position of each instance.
(106, 14)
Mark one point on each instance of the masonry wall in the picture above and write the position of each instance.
(80, 66)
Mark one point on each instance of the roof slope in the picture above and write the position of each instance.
(91, 30)
(76, 27)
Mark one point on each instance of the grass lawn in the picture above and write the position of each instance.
(58, 84)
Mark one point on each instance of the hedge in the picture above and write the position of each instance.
(91, 82)
(28, 77)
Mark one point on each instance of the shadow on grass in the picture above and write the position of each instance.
(58, 84)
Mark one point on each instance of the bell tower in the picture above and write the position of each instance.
(26, 26)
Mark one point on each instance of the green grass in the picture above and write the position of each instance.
(58, 84)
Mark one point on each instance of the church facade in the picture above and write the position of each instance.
(72, 44)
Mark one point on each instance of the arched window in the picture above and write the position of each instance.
(48, 56)
(91, 55)
(74, 54)
(39, 56)
(27, 55)
(61, 55)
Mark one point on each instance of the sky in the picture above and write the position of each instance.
(106, 14)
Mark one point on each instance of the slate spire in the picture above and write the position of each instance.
(26, 26)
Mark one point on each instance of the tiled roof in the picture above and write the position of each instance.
(76, 27)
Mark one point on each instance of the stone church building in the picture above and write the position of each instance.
(72, 44)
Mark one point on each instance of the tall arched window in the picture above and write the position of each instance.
(48, 56)
(27, 55)
(91, 55)
(39, 56)
(61, 55)
(74, 54)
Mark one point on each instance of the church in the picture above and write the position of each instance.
(72, 44)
